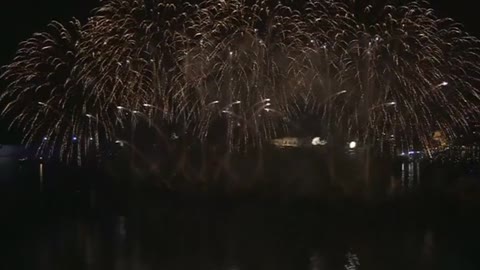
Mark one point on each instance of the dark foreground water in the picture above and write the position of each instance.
(84, 229)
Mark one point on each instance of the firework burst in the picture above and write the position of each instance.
(363, 70)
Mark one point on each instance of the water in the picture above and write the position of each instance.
(43, 228)
(244, 237)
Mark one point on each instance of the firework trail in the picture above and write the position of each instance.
(363, 70)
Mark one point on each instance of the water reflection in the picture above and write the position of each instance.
(317, 262)
(352, 261)
(41, 177)
(232, 239)
(156, 236)
(411, 175)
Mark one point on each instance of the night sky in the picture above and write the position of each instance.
(19, 19)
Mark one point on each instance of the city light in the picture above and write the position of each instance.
(318, 141)
(352, 145)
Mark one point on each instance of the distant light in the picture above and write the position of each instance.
(403, 154)
(392, 103)
(91, 138)
(444, 84)
(75, 138)
(411, 152)
(318, 141)
(45, 138)
(120, 107)
(146, 105)
(352, 145)
(231, 53)
(135, 112)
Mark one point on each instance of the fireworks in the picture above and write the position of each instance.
(363, 71)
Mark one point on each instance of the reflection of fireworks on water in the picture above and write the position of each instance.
(362, 70)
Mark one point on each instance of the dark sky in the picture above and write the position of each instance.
(20, 18)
